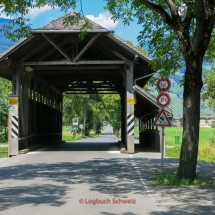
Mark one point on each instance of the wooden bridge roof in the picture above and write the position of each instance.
(95, 64)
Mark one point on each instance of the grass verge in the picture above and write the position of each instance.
(206, 152)
(172, 178)
(3, 152)
(68, 136)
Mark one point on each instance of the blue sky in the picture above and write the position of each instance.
(93, 10)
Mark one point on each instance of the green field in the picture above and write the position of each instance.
(206, 148)
(170, 133)
(3, 152)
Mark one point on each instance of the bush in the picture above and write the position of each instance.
(172, 178)
(3, 135)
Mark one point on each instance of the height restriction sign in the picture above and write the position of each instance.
(163, 84)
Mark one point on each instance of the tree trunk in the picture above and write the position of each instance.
(191, 117)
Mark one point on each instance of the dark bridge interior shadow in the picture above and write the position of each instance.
(85, 146)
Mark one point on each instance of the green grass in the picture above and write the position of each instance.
(136, 132)
(3, 149)
(3, 152)
(172, 178)
(170, 133)
(68, 136)
(206, 150)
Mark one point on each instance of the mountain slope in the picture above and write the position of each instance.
(4, 42)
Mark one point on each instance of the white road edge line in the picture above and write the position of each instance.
(142, 180)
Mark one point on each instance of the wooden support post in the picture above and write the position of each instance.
(123, 116)
(13, 113)
(130, 108)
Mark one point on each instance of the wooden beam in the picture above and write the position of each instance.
(91, 88)
(62, 62)
(57, 47)
(76, 68)
(119, 55)
(39, 46)
(79, 72)
(83, 93)
(43, 81)
(86, 47)
(47, 53)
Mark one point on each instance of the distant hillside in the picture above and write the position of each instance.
(176, 94)
(4, 42)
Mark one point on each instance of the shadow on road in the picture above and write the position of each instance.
(85, 146)
(106, 176)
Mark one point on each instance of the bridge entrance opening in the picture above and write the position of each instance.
(56, 62)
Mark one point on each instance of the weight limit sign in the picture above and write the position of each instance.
(163, 99)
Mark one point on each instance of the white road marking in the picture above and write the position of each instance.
(113, 152)
(38, 151)
(133, 163)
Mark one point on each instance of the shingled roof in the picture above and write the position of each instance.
(58, 24)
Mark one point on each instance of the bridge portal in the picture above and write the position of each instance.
(56, 61)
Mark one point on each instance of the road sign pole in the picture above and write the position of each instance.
(162, 149)
(164, 142)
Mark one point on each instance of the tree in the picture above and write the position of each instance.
(209, 86)
(5, 89)
(112, 107)
(179, 33)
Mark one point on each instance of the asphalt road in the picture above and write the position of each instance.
(88, 177)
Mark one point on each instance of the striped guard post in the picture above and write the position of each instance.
(15, 127)
(130, 124)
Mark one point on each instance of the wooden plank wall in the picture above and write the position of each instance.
(40, 109)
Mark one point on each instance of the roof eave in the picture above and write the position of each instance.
(13, 48)
(72, 31)
(125, 46)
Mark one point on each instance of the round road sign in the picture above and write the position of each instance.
(81, 126)
(163, 99)
(163, 84)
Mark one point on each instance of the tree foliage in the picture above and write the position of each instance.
(5, 90)
(92, 111)
(209, 86)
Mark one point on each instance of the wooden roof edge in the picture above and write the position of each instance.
(151, 98)
(73, 31)
(13, 48)
(129, 47)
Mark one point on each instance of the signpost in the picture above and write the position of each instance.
(74, 124)
(74, 121)
(163, 100)
(81, 127)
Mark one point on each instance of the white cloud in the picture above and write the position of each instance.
(104, 19)
(33, 12)
(2, 15)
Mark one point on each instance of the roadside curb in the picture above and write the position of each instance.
(24, 151)
(122, 147)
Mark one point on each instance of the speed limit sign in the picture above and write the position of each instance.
(163, 84)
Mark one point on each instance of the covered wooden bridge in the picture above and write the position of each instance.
(56, 61)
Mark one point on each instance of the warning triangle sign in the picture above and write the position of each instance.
(162, 119)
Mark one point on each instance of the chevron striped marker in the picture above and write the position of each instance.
(130, 124)
(15, 127)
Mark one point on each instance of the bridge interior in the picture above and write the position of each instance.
(56, 61)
